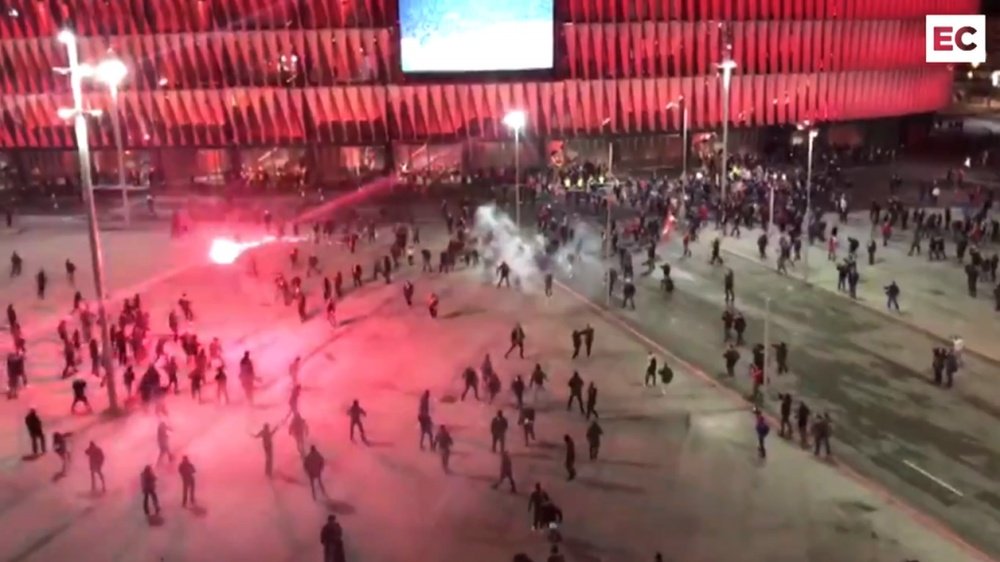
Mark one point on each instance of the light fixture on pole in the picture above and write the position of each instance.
(605, 126)
(726, 66)
(772, 186)
(112, 72)
(811, 134)
(680, 103)
(77, 73)
(516, 120)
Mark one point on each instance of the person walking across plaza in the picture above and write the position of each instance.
(35, 432)
(892, 292)
(186, 470)
(313, 464)
(517, 338)
(332, 539)
(266, 436)
(498, 432)
(821, 431)
(591, 409)
(575, 385)
(570, 459)
(95, 462)
(506, 472)
(762, 429)
(594, 433)
(356, 413)
(147, 483)
(443, 442)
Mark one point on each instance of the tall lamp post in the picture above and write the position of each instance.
(726, 66)
(679, 102)
(77, 73)
(770, 203)
(811, 134)
(111, 72)
(516, 120)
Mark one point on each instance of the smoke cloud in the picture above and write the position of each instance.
(531, 254)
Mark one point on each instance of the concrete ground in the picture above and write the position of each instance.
(678, 470)
(932, 447)
(934, 297)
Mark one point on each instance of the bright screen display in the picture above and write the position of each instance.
(475, 35)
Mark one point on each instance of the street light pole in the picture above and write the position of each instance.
(770, 217)
(684, 138)
(607, 243)
(111, 72)
(76, 74)
(517, 176)
(516, 121)
(607, 226)
(681, 208)
(812, 137)
(727, 67)
(116, 125)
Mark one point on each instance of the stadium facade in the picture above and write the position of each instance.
(214, 83)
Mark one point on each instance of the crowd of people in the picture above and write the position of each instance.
(153, 367)
(498, 253)
(659, 207)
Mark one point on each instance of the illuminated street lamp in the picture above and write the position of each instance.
(726, 66)
(516, 120)
(77, 73)
(112, 72)
(811, 134)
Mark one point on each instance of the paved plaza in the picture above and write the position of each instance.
(934, 298)
(935, 448)
(678, 470)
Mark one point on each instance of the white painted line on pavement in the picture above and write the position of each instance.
(935, 479)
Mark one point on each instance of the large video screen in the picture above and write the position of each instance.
(475, 35)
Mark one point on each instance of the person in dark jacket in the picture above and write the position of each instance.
(95, 460)
(35, 432)
(313, 464)
(147, 482)
(570, 457)
(332, 539)
(186, 470)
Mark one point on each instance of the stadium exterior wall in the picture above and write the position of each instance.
(311, 75)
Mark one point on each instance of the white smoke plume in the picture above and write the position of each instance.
(498, 241)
